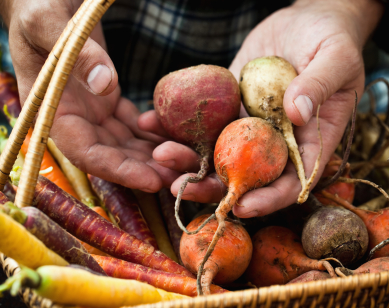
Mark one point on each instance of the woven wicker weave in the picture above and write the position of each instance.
(368, 290)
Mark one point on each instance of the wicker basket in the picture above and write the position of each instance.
(368, 290)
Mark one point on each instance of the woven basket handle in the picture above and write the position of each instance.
(46, 92)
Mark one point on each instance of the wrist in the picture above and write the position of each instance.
(362, 16)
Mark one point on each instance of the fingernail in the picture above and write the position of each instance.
(99, 78)
(167, 163)
(304, 106)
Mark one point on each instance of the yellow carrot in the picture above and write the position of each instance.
(150, 210)
(78, 287)
(19, 244)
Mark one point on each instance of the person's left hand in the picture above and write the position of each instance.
(323, 40)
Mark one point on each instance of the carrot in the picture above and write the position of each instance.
(166, 281)
(56, 175)
(123, 205)
(76, 177)
(51, 234)
(249, 153)
(79, 287)
(9, 95)
(227, 262)
(149, 207)
(88, 226)
(313, 275)
(278, 257)
(167, 201)
(376, 223)
(19, 244)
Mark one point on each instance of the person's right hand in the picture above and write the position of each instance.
(94, 127)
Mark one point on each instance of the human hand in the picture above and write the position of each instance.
(94, 127)
(323, 40)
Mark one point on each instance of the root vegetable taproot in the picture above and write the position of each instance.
(48, 163)
(88, 226)
(149, 208)
(67, 285)
(313, 275)
(335, 232)
(19, 244)
(376, 223)
(263, 82)
(52, 235)
(124, 207)
(76, 177)
(194, 105)
(278, 257)
(249, 154)
(228, 260)
(166, 281)
(167, 202)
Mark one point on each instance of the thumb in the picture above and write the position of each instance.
(327, 73)
(95, 70)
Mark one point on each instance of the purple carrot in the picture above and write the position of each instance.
(167, 201)
(88, 226)
(124, 207)
(9, 191)
(51, 234)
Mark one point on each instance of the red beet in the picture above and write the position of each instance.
(194, 105)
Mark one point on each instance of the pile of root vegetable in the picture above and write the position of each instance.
(89, 242)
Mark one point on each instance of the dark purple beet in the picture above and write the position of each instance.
(334, 232)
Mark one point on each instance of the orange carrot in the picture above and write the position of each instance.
(159, 279)
(278, 257)
(56, 175)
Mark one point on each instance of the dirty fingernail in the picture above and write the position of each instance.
(304, 106)
(99, 78)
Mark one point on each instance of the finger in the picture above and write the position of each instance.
(42, 26)
(127, 113)
(149, 122)
(167, 175)
(104, 161)
(177, 157)
(210, 190)
(333, 66)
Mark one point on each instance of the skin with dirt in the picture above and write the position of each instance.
(263, 82)
(196, 103)
(335, 232)
(278, 257)
(230, 258)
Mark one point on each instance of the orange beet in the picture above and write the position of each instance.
(278, 257)
(230, 258)
(249, 154)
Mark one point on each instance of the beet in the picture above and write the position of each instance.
(194, 105)
(335, 232)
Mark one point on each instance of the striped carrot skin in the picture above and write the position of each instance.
(9, 94)
(167, 201)
(123, 205)
(88, 226)
(51, 234)
(166, 281)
